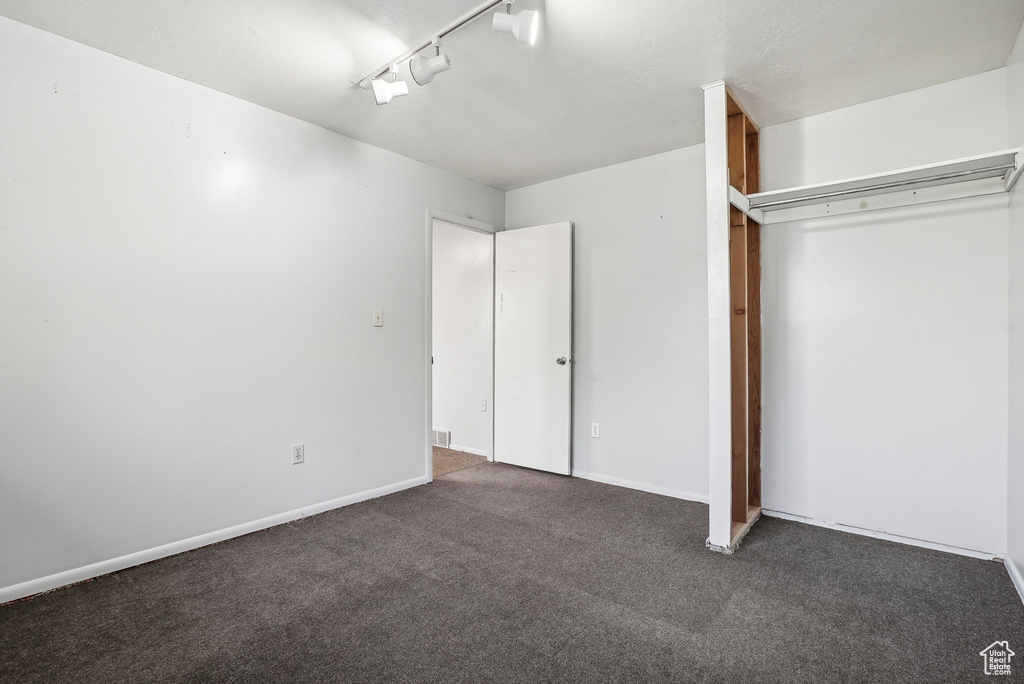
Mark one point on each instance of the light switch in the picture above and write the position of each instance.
(378, 318)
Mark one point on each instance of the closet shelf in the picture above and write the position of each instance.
(983, 174)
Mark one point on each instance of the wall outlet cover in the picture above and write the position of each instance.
(595, 430)
(298, 454)
(378, 318)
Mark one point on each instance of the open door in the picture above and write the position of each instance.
(533, 347)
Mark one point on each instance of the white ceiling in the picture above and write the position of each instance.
(609, 80)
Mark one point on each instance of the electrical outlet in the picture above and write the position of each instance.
(595, 430)
(483, 405)
(378, 318)
(298, 454)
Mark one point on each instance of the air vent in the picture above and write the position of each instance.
(442, 438)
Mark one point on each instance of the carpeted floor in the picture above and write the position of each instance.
(448, 460)
(499, 574)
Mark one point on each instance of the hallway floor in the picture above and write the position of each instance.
(448, 460)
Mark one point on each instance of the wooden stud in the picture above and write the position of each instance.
(738, 152)
(753, 351)
(738, 271)
(752, 179)
(753, 168)
(745, 330)
(739, 344)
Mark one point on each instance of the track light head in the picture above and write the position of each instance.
(424, 68)
(522, 25)
(384, 91)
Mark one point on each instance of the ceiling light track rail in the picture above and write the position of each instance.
(391, 66)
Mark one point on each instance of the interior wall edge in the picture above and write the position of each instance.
(887, 536)
(75, 575)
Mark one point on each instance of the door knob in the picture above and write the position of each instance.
(560, 360)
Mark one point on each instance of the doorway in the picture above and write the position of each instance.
(498, 345)
(462, 344)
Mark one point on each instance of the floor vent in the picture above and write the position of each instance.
(442, 438)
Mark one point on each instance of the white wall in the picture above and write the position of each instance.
(186, 287)
(640, 317)
(885, 334)
(462, 294)
(1015, 475)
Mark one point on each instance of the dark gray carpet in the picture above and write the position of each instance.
(497, 574)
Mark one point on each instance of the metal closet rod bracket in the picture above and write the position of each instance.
(1014, 175)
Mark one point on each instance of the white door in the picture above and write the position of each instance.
(533, 347)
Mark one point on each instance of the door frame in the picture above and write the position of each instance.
(477, 227)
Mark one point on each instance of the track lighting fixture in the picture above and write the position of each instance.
(384, 91)
(423, 68)
(522, 25)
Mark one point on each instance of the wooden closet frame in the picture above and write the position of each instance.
(745, 326)
(734, 315)
(736, 211)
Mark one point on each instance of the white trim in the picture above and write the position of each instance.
(878, 534)
(461, 221)
(62, 579)
(642, 486)
(469, 450)
(1016, 576)
(428, 347)
(716, 165)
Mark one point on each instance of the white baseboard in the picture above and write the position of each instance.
(864, 532)
(1016, 576)
(468, 450)
(642, 486)
(61, 579)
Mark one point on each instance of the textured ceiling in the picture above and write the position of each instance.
(607, 81)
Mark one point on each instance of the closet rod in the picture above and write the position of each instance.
(881, 186)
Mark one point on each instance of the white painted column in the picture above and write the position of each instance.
(716, 154)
